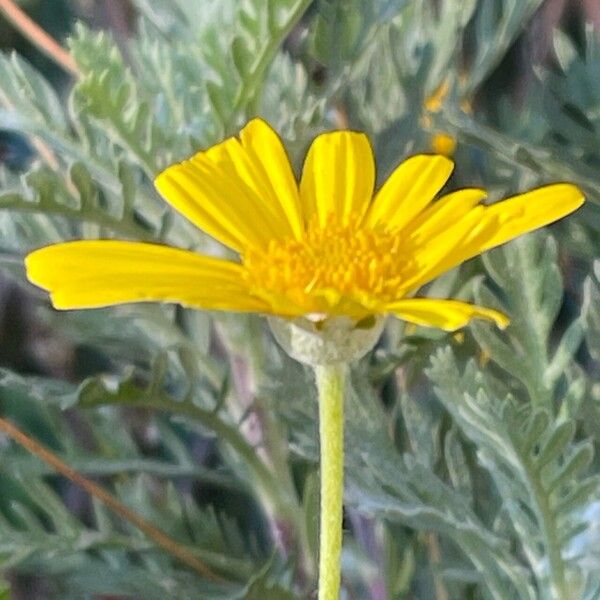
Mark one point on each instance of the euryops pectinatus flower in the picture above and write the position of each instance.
(324, 255)
(327, 247)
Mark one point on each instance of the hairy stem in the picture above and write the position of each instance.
(331, 381)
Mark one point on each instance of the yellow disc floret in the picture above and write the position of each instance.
(335, 265)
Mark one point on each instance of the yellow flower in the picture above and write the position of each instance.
(326, 247)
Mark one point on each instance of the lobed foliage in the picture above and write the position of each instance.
(471, 469)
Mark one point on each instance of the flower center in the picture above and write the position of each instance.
(336, 262)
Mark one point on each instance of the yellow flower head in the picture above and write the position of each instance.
(327, 247)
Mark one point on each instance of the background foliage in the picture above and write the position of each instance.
(471, 457)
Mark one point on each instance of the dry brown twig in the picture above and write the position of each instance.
(51, 48)
(38, 37)
(155, 534)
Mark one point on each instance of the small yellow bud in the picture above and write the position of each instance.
(434, 102)
(443, 143)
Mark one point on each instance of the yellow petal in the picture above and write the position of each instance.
(270, 158)
(240, 192)
(408, 190)
(443, 314)
(338, 177)
(441, 252)
(532, 210)
(483, 228)
(439, 215)
(90, 274)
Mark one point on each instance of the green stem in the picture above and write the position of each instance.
(330, 383)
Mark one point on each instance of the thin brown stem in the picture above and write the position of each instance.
(38, 37)
(156, 535)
